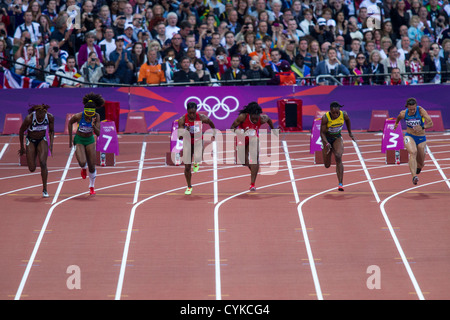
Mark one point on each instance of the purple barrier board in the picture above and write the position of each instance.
(163, 105)
(391, 139)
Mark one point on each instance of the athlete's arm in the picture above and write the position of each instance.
(25, 124)
(181, 126)
(428, 121)
(208, 121)
(323, 132)
(96, 124)
(266, 119)
(349, 125)
(240, 119)
(75, 118)
(51, 130)
(400, 117)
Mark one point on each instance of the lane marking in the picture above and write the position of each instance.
(3, 150)
(139, 175)
(438, 166)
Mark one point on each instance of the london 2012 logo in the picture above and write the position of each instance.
(219, 109)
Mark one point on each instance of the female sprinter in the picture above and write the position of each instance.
(250, 120)
(188, 123)
(417, 120)
(84, 140)
(330, 132)
(36, 124)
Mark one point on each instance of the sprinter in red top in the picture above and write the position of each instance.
(191, 122)
(249, 121)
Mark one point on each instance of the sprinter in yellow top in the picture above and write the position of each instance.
(330, 132)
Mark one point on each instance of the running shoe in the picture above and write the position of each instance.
(418, 170)
(415, 180)
(91, 191)
(196, 167)
(188, 191)
(341, 187)
(83, 173)
(45, 194)
(252, 187)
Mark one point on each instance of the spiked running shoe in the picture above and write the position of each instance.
(188, 191)
(252, 187)
(196, 167)
(45, 194)
(91, 191)
(415, 180)
(83, 173)
(341, 187)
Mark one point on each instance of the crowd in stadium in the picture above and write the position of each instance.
(106, 42)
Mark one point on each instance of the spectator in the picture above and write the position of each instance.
(202, 73)
(392, 61)
(127, 36)
(4, 54)
(171, 27)
(404, 48)
(88, 47)
(138, 57)
(376, 68)
(257, 72)
(151, 72)
(330, 66)
(414, 32)
(274, 65)
(69, 75)
(110, 76)
(170, 65)
(313, 57)
(185, 75)
(55, 57)
(92, 69)
(300, 69)
(159, 33)
(108, 44)
(399, 16)
(32, 27)
(285, 77)
(233, 72)
(415, 65)
(123, 62)
(436, 65)
(62, 35)
(396, 79)
(30, 60)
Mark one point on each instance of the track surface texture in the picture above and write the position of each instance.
(296, 238)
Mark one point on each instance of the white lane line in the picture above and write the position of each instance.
(216, 187)
(363, 164)
(291, 173)
(3, 150)
(438, 167)
(63, 177)
(389, 225)
(139, 175)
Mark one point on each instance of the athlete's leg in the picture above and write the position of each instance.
(326, 156)
(91, 158)
(80, 154)
(420, 159)
(31, 156)
(338, 150)
(411, 147)
(42, 151)
(253, 160)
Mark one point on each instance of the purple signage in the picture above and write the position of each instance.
(392, 138)
(107, 141)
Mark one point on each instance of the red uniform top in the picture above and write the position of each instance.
(191, 126)
(251, 129)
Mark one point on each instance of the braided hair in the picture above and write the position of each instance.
(35, 106)
(251, 108)
(93, 100)
(335, 104)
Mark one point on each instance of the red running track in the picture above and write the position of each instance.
(297, 237)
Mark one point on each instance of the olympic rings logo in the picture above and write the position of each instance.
(213, 107)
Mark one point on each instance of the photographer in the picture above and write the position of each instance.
(257, 72)
(28, 26)
(92, 69)
(54, 58)
(321, 32)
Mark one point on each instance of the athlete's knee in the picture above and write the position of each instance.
(413, 153)
(338, 157)
(32, 168)
(327, 165)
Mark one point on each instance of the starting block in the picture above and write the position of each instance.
(438, 123)
(318, 157)
(136, 123)
(400, 157)
(12, 124)
(104, 159)
(377, 120)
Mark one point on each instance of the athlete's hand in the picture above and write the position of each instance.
(351, 136)
(21, 151)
